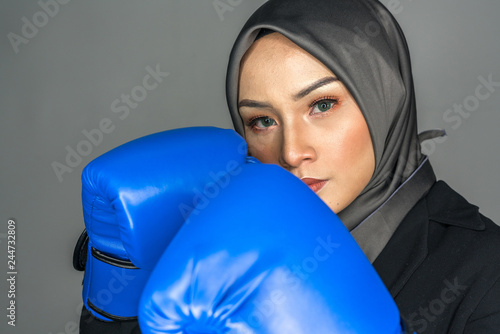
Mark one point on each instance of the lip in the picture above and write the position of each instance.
(315, 184)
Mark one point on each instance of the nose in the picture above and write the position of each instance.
(297, 147)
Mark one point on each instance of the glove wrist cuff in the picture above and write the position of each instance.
(112, 287)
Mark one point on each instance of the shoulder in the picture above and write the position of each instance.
(455, 222)
(460, 240)
(443, 228)
(455, 285)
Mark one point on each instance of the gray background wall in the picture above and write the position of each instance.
(63, 79)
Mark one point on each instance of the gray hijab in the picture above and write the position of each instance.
(363, 45)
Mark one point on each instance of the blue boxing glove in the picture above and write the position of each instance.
(266, 256)
(135, 198)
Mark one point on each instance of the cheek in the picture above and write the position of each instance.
(264, 148)
(349, 159)
(353, 157)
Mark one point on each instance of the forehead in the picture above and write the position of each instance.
(275, 48)
(270, 43)
(275, 61)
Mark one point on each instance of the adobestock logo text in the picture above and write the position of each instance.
(30, 28)
(120, 106)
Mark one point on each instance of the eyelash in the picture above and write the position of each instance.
(331, 99)
(252, 121)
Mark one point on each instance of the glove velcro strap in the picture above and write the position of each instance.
(80, 251)
(112, 287)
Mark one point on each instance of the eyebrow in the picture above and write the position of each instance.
(254, 104)
(263, 105)
(320, 83)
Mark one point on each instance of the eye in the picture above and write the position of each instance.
(262, 122)
(323, 105)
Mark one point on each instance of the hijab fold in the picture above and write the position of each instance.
(363, 45)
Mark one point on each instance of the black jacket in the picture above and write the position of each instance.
(442, 266)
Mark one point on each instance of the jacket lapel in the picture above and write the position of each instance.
(408, 247)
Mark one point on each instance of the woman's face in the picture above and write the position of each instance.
(298, 115)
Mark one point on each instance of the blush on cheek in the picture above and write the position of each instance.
(351, 151)
(362, 156)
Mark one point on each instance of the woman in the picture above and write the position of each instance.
(324, 88)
